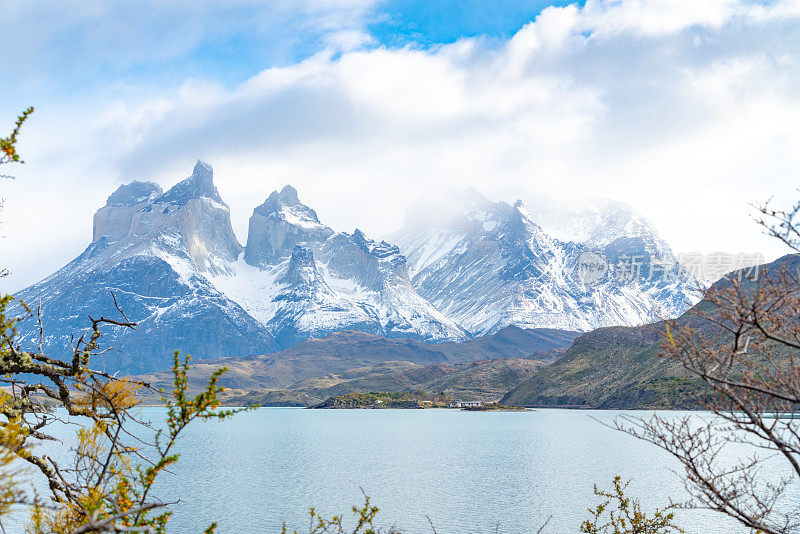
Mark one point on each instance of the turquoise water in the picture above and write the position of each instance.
(470, 472)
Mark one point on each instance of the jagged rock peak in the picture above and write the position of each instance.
(302, 267)
(359, 237)
(286, 203)
(302, 255)
(289, 195)
(381, 250)
(520, 212)
(199, 185)
(134, 193)
(279, 224)
(469, 198)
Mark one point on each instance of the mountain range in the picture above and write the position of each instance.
(287, 373)
(489, 264)
(620, 367)
(607, 368)
(482, 380)
(175, 266)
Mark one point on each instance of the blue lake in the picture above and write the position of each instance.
(470, 472)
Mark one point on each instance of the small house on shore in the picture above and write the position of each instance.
(465, 404)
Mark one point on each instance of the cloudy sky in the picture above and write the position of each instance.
(687, 110)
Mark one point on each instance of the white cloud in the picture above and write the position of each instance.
(348, 40)
(685, 110)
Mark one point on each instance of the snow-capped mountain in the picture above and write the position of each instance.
(488, 264)
(175, 266)
(597, 223)
(155, 251)
(177, 269)
(301, 279)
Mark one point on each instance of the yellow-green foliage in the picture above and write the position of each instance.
(8, 145)
(626, 516)
(106, 486)
(12, 435)
(117, 497)
(364, 522)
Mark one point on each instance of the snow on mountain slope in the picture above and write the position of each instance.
(154, 250)
(177, 269)
(597, 223)
(312, 281)
(279, 224)
(474, 267)
(487, 265)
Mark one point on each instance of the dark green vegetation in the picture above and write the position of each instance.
(373, 400)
